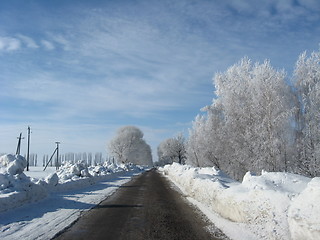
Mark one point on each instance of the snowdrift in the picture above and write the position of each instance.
(304, 212)
(17, 189)
(273, 205)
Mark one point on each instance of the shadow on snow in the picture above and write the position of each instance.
(66, 200)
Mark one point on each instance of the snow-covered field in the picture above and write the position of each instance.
(271, 206)
(38, 204)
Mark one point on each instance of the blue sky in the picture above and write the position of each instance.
(76, 70)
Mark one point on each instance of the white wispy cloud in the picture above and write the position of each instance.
(71, 98)
(61, 40)
(135, 65)
(134, 70)
(9, 44)
(47, 44)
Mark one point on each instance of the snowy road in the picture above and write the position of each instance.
(145, 208)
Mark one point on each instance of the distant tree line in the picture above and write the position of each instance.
(259, 119)
(89, 159)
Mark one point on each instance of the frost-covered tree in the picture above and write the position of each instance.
(307, 82)
(205, 145)
(246, 127)
(195, 145)
(172, 150)
(129, 146)
(255, 99)
(273, 108)
(163, 158)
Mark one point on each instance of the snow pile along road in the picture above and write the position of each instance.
(17, 189)
(304, 212)
(272, 206)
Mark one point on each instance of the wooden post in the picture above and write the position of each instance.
(19, 144)
(28, 152)
(57, 160)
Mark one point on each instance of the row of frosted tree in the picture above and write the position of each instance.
(89, 159)
(260, 119)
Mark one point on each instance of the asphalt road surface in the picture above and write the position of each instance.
(145, 208)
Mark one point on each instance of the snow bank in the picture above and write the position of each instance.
(13, 164)
(78, 175)
(273, 205)
(304, 213)
(17, 189)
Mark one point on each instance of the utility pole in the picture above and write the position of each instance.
(55, 150)
(57, 161)
(28, 152)
(19, 144)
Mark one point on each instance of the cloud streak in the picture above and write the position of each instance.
(9, 44)
(47, 44)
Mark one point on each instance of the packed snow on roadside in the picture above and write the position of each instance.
(35, 204)
(274, 205)
(16, 188)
